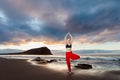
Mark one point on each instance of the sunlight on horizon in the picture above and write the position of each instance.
(76, 46)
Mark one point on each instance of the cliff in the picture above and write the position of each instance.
(38, 51)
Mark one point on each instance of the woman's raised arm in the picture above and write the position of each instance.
(65, 38)
(70, 37)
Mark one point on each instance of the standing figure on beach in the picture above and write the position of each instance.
(69, 54)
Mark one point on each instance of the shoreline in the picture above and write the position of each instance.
(19, 69)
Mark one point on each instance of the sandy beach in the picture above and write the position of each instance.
(18, 69)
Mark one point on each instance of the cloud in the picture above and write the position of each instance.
(93, 20)
(3, 18)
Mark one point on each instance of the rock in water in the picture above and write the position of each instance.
(43, 61)
(37, 59)
(52, 60)
(84, 66)
(40, 60)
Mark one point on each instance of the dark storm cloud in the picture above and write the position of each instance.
(106, 17)
(57, 17)
(3, 37)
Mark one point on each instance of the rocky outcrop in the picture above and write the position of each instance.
(84, 66)
(35, 51)
(43, 61)
(38, 59)
(38, 51)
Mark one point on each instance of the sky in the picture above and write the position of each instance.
(26, 24)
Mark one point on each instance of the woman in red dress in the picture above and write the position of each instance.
(69, 54)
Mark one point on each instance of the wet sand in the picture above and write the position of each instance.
(18, 69)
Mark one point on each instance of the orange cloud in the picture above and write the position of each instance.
(43, 39)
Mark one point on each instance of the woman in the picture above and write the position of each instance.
(69, 53)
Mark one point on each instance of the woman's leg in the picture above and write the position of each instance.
(74, 56)
(68, 61)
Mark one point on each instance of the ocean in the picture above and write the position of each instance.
(101, 63)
